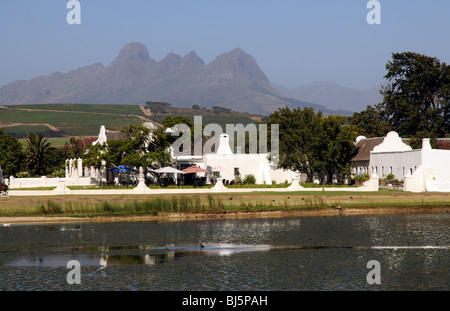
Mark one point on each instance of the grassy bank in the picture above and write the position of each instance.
(137, 205)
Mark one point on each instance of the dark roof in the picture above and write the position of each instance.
(114, 135)
(364, 147)
(443, 143)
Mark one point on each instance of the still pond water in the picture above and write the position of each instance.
(308, 253)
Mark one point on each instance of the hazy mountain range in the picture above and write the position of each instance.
(333, 96)
(232, 80)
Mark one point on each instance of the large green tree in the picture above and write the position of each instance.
(11, 155)
(297, 129)
(417, 98)
(312, 143)
(335, 146)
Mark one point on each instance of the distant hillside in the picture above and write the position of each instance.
(333, 96)
(232, 80)
(62, 120)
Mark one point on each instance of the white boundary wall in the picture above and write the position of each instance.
(61, 189)
(19, 183)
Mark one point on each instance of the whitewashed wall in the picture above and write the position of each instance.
(400, 163)
(281, 175)
(19, 183)
(439, 160)
(255, 164)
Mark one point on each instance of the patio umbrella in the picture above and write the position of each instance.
(120, 168)
(168, 169)
(194, 169)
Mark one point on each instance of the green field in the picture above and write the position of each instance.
(59, 142)
(26, 129)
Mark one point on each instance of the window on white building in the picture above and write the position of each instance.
(236, 172)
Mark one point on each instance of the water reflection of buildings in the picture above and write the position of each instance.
(147, 259)
(108, 256)
(174, 253)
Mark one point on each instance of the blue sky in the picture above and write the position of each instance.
(294, 42)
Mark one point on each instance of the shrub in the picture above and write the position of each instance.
(391, 177)
(362, 178)
(250, 179)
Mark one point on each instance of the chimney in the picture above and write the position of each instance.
(224, 145)
(426, 144)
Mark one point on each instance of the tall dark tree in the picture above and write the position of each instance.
(417, 98)
(298, 131)
(36, 149)
(336, 146)
(55, 159)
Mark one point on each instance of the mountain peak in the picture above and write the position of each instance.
(237, 54)
(134, 52)
(193, 58)
(236, 66)
(171, 58)
(237, 51)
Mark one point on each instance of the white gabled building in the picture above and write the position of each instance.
(392, 156)
(424, 169)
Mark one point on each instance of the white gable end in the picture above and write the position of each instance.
(391, 143)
